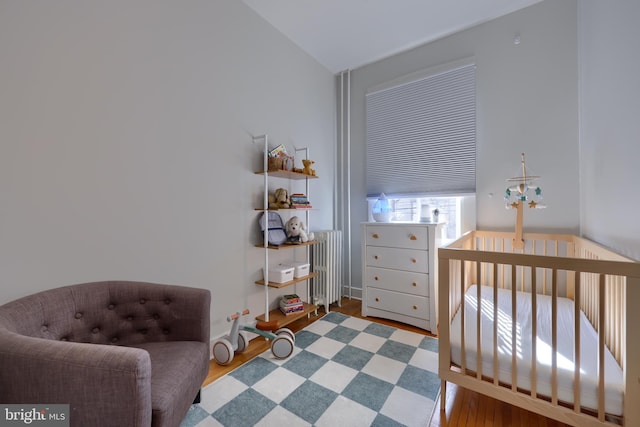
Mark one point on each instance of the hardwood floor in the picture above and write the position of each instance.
(463, 407)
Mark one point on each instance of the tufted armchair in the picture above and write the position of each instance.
(119, 353)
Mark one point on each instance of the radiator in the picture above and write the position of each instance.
(327, 262)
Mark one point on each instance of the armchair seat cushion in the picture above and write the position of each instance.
(175, 367)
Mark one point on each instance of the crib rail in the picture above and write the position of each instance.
(601, 283)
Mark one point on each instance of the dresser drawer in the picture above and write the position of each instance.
(397, 302)
(400, 281)
(398, 236)
(398, 259)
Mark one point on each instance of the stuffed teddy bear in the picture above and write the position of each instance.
(296, 231)
(307, 167)
(279, 199)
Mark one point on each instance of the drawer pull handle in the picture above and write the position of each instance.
(415, 307)
(413, 237)
(375, 235)
(413, 260)
(377, 299)
(375, 257)
(375, 278)
(414, 284)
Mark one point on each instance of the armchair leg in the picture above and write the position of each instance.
(197, 399)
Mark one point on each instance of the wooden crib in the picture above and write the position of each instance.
(577, 360)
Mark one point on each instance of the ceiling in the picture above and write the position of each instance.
(347, 34)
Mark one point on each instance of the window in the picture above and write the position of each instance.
(456, 212)
(421, 144)
(421, 134)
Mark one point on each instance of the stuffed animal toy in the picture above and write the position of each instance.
(296, 231)
(279, 199)
(307, 167)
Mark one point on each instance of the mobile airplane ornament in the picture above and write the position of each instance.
(517, 195)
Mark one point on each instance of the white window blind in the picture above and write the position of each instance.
(421, 135)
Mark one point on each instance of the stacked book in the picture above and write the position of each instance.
(299, 201)
(291, 304)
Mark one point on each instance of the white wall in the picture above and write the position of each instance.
(527, 101)
(125, 142)
(609, 125)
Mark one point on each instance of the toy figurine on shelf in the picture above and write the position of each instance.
(279, 199)
(296, 231)
(307, 167)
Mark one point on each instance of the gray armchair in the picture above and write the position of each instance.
(119, 353)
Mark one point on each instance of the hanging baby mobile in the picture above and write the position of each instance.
(523, 191)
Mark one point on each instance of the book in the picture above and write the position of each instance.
(288, 312)
(296, 306)
(289, 298)
(278, 151)
(291, 301)
(291, 305)
(298, 198)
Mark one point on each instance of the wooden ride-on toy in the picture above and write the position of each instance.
(282, 341)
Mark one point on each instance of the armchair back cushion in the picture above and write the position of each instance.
(116, 312)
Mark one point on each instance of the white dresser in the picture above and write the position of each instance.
(399, 272)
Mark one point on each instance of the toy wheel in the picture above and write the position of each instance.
(243, 341)
(287, 331)
(223, 351)
(282, 346)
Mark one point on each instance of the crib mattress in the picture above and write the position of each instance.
(565, 340)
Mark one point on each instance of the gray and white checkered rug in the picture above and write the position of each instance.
(344, 371)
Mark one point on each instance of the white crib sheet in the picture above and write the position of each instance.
(565, 357)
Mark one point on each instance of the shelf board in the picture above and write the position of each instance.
(288, 174)
(289, 283)
(283, 320)
(285, 209)
(289, 246)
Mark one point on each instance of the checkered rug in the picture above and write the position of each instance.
(344, 371)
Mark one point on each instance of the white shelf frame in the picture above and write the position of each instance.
(265, 207)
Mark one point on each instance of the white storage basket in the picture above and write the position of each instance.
(281, 273)
(301, 268)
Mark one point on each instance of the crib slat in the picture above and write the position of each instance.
(478, 323)
(601, 337)
(554, 337)
(463, 353)
(514, 353)
(496, 375)
(544, 278)
(571, 252)
(576, 345)
(619, 304)
(534, 335)
(446, 274)
(502, 267)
